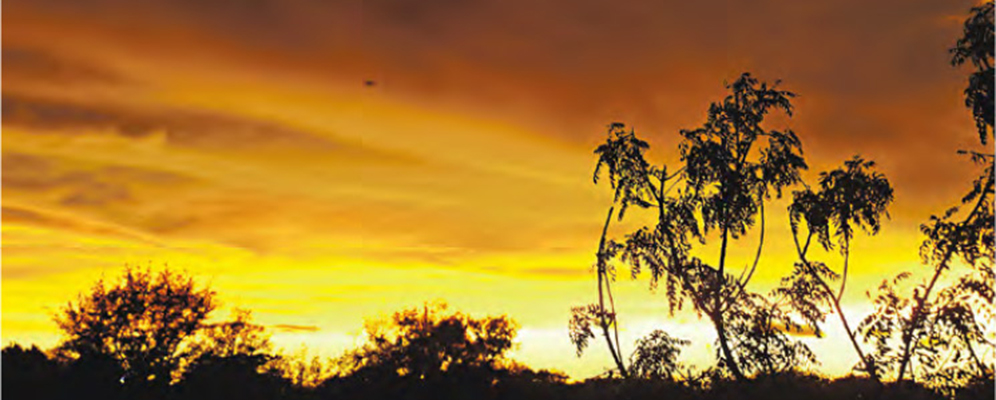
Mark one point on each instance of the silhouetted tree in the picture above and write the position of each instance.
(622, 156)
(426, 353)
(141, 323)
(926, 326)
(423, 343)
(848, 198)
(731, 166)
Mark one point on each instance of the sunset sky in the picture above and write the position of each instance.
(238, 140)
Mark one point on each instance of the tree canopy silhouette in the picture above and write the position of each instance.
(939, 328)
(848, 198)
(141, 322)
(730, 166)
(428, 342)
(976, 48)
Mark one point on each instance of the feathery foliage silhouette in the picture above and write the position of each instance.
(848, 198)
(937, 327)
(729, 167)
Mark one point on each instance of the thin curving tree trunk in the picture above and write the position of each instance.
(835, 301)
(717, 313)
(603, 287)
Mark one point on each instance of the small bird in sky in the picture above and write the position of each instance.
(369, 83)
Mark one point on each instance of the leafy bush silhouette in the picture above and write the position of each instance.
(656, 356)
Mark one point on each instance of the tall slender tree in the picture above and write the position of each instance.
(848, 198)
(730, 166)
(622, 156)
(955, 235)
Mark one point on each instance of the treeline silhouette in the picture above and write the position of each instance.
(147, 336)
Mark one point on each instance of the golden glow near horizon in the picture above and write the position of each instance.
(257, 159)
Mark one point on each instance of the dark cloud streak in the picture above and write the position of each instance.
(22, 64)
(26, 216)
(184, 128)
(295, 328)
